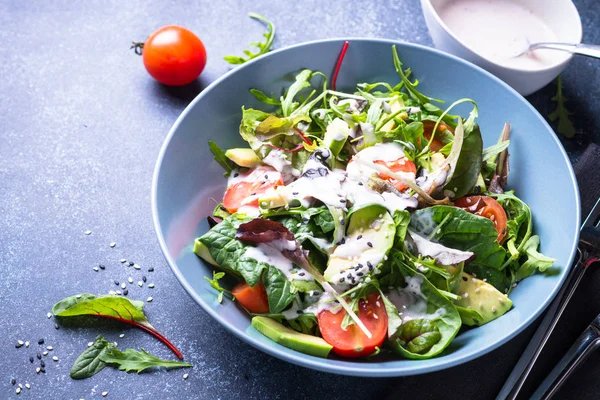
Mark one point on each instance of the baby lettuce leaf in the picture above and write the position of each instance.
(118, 308)
(263, 48)
(89, 363)
(459, 229)
(220, 157)
(419, 339)
(132, 360)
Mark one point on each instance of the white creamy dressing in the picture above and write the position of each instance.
(410, 302)
(278, 160)
(270, 253)
(499, 30)
(441, 254)
(337, 130)
(325, 301)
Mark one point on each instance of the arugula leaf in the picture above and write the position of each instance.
(461, 230)
(534, 259)
(561, 113)
(490, 152)
(410, 86)
(132, 360)
(419, 335)
(214, 283)
(118, 308)
(89, 363)
(262, 97)
(220, 157)
(263, 48)
(302, 82)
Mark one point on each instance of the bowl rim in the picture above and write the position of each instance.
(354, 368)
(427, 4)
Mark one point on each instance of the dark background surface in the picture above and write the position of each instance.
(81, 124)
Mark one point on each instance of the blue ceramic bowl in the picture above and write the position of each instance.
(188, 183)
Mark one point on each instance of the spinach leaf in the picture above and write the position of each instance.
(220, 157)
(401, 220)
(459, 229)
(279, 290)
(325, 221)
(418, 336)
(535, 260)
(89, 363)
(263, 48)
(493, 276)
(117, 308)
(468, 165)
(132, 360)
(419, 340)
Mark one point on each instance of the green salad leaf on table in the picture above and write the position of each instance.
(367, 221)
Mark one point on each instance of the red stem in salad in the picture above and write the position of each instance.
(339, 65)
(303, 136)
(294, 150)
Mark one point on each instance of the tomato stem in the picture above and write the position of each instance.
(137, 47)
(339, 65)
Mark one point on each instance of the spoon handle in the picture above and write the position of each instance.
(589, 50)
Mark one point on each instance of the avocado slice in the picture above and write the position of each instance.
(483, 298)
(369, 237)
(243, 157)
(202, 251)
(291, 339)
(336, 135)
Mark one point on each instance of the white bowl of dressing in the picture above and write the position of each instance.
(490, 33)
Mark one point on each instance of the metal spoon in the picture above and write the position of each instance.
(589, 50)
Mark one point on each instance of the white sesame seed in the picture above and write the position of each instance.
(375, 316)
(140, 283)
(485, 279)
(378, 304)
(49, 348)
(18, 390)
(116, 344)
(78, 296)
(185, 376)
(514, 284)
(149, 299)
(493, 308)
(95, 269)
(151, 285)
(136, 266)
(45, 353)
(123, 285)
(90, 344)
(122, 335)
(465, 295)
(112, 244)
(20, 342)
(37, 370)
(27, 343)
(112, 292)
(55, 358)
(119, 292)
(28, 386)
(477, 290)
(130, 280)
(88, 232)
(123, 261)
(21, 385)
(49, 315)
(500, 300)
(104, 394)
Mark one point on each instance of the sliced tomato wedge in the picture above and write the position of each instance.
(428, 125)
(487, 207)
(245, 190)
(353, 342)
(252, 298)
(402, 164)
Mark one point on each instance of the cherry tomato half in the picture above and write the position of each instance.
(402, 164)
(174, 56)
(487, 207)
(252, 298)
(245, 191)
(353, 342)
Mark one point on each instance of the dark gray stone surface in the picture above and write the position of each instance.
(81, 124)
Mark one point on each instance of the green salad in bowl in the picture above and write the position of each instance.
(366, 222)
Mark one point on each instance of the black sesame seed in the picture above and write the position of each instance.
(315, 292)
(353, 281)
(342, 200)
(56, 326)
(42, 364)
(31, 359)
(300, 312)
(144, 278)
(370, 265)
(43, 370)
(464, 278)
(360, 183)
(253, 194)
(131, 263)
(236, 175)
(151, 269)
(301, 274)
(266, 176)
(295, 193)
(342, 222)
(101, 266)
(41, 341)
(349, 276)
(125, 292)
(13, 381)
(359, 274)
(343, 241)
(305, 220)
(369, 244)
(39, 356)
(359, 237)
(18, 345)
(263, 182)
(342, 280)
(116, 282)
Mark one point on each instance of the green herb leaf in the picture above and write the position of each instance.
(561, 113)
(302, 82)
(89, 363)
(535, 260)
(220, 157)
(262, 97)
(263, 48)
(214, 283)
(118, 308)
(132, 360)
